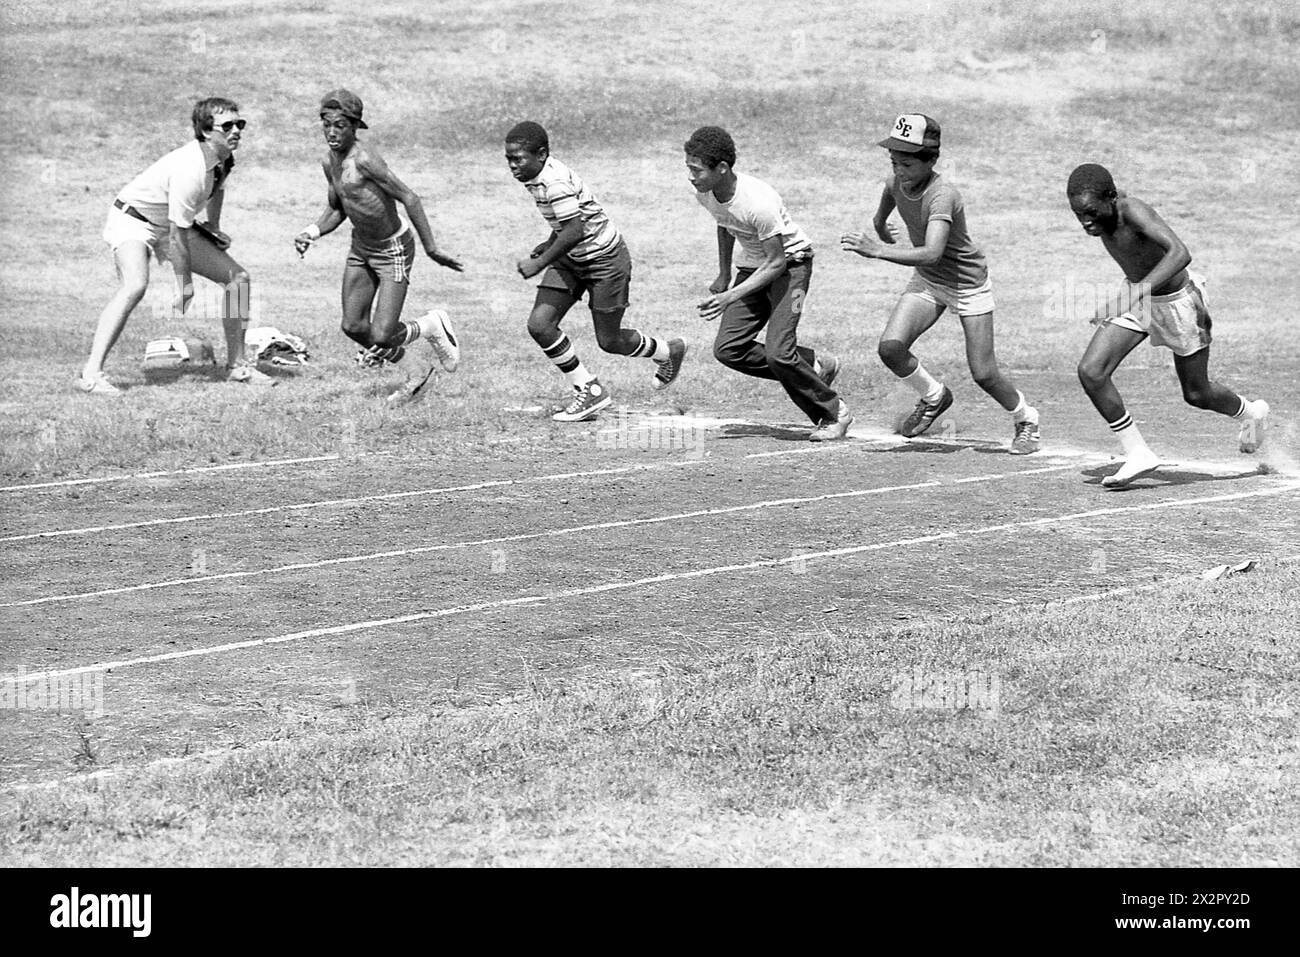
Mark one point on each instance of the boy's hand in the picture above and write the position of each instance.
(720, 284)
(862, 244)
(714, 306)
(888, 233)
(539, 249)
(442, 259)
(528, 267)
(302, 242)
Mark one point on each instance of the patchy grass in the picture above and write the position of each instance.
(1194, 79)
(1154, 730)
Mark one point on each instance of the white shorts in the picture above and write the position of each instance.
(974, 301)
(121, 228)
(1180, 320)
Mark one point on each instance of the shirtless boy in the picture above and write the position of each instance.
(1162, 299)
(365, 191)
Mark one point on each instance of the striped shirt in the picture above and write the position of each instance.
(963, 265)
(178, 186)
(755, 214)
(561, 195)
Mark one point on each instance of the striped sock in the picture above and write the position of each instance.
(1241, 413)
(650, 348)
(387, 353)
(1130, 439)
(411, 330)
(565, 357)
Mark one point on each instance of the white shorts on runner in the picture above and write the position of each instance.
(1179, 321)
(974, 301)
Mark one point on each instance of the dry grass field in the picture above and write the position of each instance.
(314, 629)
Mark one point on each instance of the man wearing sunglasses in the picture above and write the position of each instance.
(155, 214)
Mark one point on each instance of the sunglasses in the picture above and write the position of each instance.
(229, 125)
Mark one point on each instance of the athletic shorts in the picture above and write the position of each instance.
(974, 301)
(1179, 320)
(390, 260)
(606, 279)
(120, 228)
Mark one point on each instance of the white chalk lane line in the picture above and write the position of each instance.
(1292, 487)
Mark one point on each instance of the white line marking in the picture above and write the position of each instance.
(1290, 487)
(362, 499)
(255, 746)
(190, 471)
(521, 537)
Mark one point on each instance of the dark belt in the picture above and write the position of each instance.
(130, 211)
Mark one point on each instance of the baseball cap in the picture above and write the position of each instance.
(912, 133)
(346, 102)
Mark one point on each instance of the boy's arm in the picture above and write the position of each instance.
(568, 236)
(936, 240)
(726, 244)
(1176, 258)
(773, 265)
(881, 219)
(329, 220)
(372, 166)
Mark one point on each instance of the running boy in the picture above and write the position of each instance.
(950, 273)
(772, 275)
(364, 190)
(1162, 299)
(584, 253)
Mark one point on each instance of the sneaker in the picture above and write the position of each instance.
(587, 401)
(97, 384)
(830, 369)
(1026, 440)
(417, 365)
(923, 416)
(1140, 463)
(1251, 437)
(671, 367)
(833, 429)
(435, 326)
(248, 375)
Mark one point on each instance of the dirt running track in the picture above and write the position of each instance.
(482, 572)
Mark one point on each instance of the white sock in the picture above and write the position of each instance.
(923, 384)
(1130, 439)
(1023, 412)
(578, 376)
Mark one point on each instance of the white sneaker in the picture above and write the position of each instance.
(1140, 463)
(1251, 437)
(97, 384)
(833, 429)
(435, 326)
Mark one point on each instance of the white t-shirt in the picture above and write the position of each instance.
(177, 187)
(754, 214)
